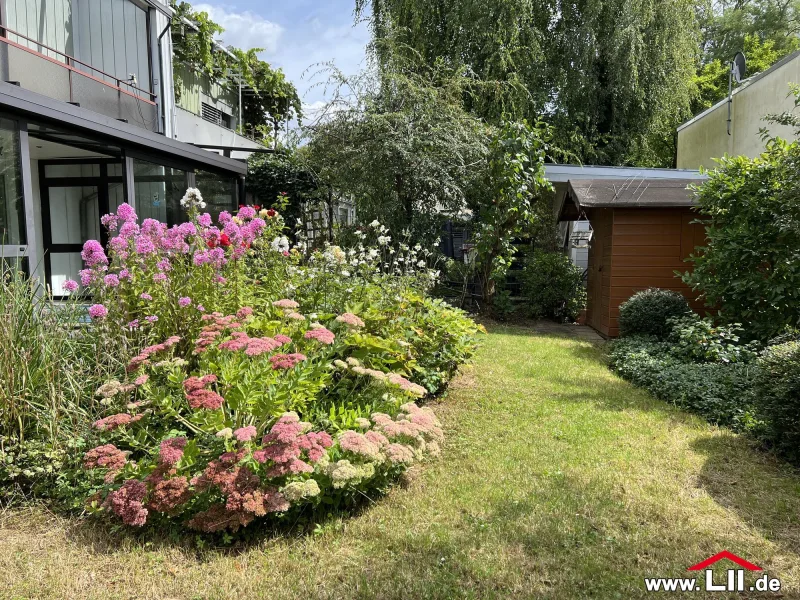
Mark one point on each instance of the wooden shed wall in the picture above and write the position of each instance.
(638, 248)
(599, 277)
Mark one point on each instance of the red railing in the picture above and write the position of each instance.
(69, 63)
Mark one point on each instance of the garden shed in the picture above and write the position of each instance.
(642, 232)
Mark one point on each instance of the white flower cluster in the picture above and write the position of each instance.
(280, 244)
(192, 198)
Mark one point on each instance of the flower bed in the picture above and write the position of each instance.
(261, 380)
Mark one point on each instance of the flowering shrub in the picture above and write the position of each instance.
(261, 380)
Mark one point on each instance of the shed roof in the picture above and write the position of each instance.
(636, 192)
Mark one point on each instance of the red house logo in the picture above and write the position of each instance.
(725, 554)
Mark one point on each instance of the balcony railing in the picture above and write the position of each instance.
(67, 78)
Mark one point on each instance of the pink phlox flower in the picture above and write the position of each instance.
(98, 311)
(184, 302)
(110, 222)
(246, 212)
(70, 285)
(111, 281)
(93, 254)
(125, 212)
(129, 230)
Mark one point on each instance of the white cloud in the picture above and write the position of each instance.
(244, 29)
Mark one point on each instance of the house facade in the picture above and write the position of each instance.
(705, 137)
(88, 120)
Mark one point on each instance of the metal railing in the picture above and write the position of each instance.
(70, 63)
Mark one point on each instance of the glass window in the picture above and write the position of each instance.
(220, 192)
(158, 190)
(12, 212)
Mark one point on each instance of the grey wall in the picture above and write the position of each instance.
(112, 36)
(46, 21)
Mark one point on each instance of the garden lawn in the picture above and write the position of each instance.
(558, 480)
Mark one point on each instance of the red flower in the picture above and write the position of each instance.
(224, 240)
(257, 206)
(271, 213)
(212, 243)
(285, 253)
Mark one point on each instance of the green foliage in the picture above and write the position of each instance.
(750, 266)
(515, 182)
(614, 79)
(712, 77)
(49, 363)
(553, 286)
(778, 397)
(649, 312)
(400, 143)
(274, 100)
(700, 340)
(729, 26)
(286, 173)
(720, 392)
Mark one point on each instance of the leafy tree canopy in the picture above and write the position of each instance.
(400, 142)
(613, 78)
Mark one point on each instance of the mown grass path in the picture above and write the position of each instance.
(558, 480)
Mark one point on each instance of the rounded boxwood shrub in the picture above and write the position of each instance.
(778, 396)
(648, 312)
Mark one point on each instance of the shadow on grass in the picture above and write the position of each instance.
(105, 536)
(760, 488)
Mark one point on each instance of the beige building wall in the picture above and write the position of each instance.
(705, 137)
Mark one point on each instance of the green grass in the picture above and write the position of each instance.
(558, 480)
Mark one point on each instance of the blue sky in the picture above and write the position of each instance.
(295, 34)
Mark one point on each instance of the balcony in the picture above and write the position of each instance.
(63, 77)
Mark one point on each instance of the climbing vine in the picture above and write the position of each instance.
(270, 100)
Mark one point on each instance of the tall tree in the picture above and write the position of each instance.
(765, 30)
(400, 142)
(613, 77)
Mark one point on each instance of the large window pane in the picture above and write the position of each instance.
(220, 192)
(158, 191)
(74, 214)
(12, 214)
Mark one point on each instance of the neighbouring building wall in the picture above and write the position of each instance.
(634, 249)
(705, 137)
